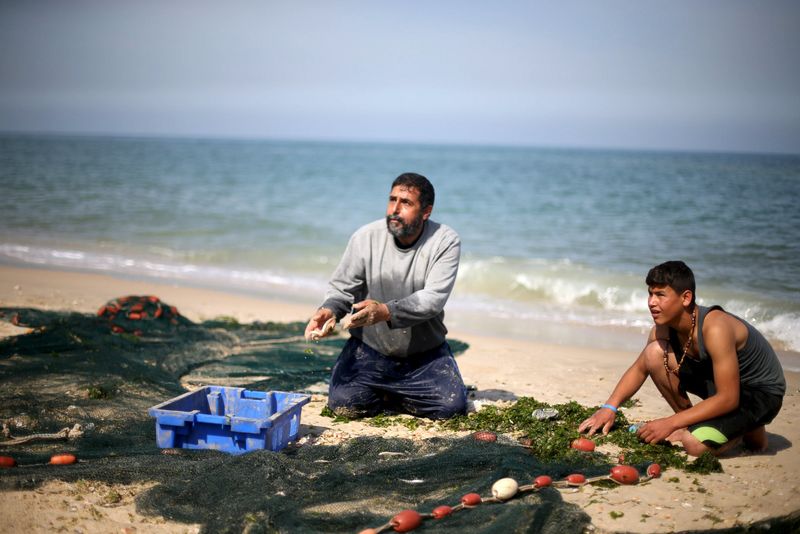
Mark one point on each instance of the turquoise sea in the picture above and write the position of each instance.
(556, 243)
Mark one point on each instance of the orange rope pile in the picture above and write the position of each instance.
(125, 314)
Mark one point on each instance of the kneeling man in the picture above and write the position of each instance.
(396, 275)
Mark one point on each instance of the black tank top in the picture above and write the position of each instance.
(759, 367)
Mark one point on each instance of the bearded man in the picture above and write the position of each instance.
(395, 276)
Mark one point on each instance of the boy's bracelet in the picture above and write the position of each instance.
(610, 407)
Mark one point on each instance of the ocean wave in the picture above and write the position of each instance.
(785, 328)
(558, 281)
(564, 291)
(240, 278)
(502, 289)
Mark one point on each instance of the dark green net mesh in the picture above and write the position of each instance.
(104, 371)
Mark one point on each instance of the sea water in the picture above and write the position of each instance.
(555, 243)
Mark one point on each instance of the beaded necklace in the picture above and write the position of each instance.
(685, 347)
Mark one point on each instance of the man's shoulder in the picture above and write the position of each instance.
(372, 228)
(442, 231)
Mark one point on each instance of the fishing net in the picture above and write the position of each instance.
(104, 371)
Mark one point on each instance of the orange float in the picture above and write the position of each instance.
(441, 511)
(654, 470)
(406, 520)
(63, 459)
(576, 479)
(483, 435)
(625, 474)
(471, 499)
(583, 444)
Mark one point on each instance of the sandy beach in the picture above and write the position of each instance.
(752, 489)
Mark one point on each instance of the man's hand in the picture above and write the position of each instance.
(656, 430)
(368, 312)
(320, 325)
(603, 419)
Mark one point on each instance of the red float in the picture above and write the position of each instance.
(406, 520)
(471, 499)
(542, 481)
(483, 435)
(583, 444)
(625, 474)
(7, 461)
(576, 479)
(63, 459)
(654, 470)
(441, 511)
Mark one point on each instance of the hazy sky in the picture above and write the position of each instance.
(678, 74)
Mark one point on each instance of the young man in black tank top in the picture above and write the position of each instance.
(707, 352)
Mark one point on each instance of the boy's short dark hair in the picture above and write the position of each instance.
(674, 274)
(411, 179)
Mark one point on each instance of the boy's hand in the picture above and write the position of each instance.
(602, 420)
(656, 430)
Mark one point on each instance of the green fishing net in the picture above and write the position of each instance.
(105, 370)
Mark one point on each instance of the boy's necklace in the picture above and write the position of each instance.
(685, 347)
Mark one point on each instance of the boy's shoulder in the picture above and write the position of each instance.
(718, 322)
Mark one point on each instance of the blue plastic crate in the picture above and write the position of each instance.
(227, 419)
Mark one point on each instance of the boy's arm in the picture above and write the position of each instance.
(720, 342)
(630, 382)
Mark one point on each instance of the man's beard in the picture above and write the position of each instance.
(403, 230)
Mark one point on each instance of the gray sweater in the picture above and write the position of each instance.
(414, 283)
